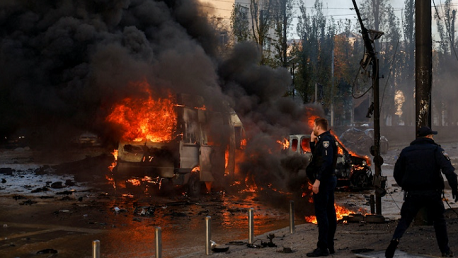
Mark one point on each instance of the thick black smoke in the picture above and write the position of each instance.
(65, 63)
(267, 116)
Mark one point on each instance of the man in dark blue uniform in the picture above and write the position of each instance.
(321, 172)
(418, 172)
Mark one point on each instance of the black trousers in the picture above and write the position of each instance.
(326, 213)
(435, 210)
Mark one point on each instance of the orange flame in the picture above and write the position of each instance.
(340, 151)
(226, 158)
(305, 145)
(242, 144)
(284, 143)
(368, 160)
(310, 117)
(340, 213)
(134, 181)
(201, 108)
(114, 163)
(311, 121)
(311, 219)
(152, 118)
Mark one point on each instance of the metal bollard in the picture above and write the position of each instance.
(250, 226)
(96, 249)
(158, 242)
(372, 203)
(208, 235)
(291, 217)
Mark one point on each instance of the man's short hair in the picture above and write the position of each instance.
(322, 122)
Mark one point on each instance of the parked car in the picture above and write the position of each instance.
(384, 145)
(361, 141)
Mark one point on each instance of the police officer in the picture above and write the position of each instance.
(418, 172)
(321, 172)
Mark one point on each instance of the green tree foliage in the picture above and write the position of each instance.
(404, 72)
(282, 21)
(446, 60)
(347, 54)
(314, 54)
(328, 54)
(261, 22)
(240, 23)
(253, 23)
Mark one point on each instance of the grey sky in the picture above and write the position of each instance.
(340, 9)
(343, 9)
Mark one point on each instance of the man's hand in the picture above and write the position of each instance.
(312, 137)
(455, 195)
(316, 186)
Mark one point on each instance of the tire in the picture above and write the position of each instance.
(359, 179)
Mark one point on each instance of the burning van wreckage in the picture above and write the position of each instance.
(173, 141)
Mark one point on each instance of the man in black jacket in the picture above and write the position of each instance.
(418, 172)
(321, 172)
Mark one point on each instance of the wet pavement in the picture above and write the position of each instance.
(66, 218)
(44, 211)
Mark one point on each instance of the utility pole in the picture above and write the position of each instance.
(423, 63)
(370, 57)
(423, 74)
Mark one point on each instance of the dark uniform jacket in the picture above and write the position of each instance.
(419, 166)
(324, 157)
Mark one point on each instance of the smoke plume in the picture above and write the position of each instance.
(65, 63)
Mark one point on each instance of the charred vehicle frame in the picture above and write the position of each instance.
(351, 169)
(192, 158)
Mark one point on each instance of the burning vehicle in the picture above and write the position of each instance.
(362, 140)
(351, 169)
(175, 143)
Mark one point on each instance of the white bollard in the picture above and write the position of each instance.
(208, 235)
(158, 242)
(291, 217)
(250, 226)
(96, 249)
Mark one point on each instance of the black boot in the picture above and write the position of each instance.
(389, 253)
(318, 252)
(448, 254)
(331, 249)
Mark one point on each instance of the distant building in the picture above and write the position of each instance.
(220, 11)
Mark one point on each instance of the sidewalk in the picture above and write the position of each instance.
(364, 240)
(352, 240)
